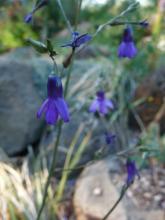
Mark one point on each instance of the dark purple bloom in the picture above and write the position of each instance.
(28, 17)
(78, 40)
(38, 5)
(127, 47)
(55, 105)
(131, 171)
(109, 137)
(144, 23)
(101, 104)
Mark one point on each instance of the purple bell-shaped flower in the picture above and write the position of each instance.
(101, 104)
(54, 106)
(127, 47)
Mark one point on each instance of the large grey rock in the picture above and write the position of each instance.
(22, 82)
(95, 194)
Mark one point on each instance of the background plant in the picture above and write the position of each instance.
(124, 80)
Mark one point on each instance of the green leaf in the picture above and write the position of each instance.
(146, 149)
(49, 45)
(37, 45)
(50, 48)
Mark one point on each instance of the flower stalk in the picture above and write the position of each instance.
(65, 17)
(53, 164)
(123, 191)
(59, 131)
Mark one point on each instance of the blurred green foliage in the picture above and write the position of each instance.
(48, 21)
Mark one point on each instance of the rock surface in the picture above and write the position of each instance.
(95, 194)
(20, 97)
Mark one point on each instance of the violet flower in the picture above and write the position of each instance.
(101, 104)
(144, 23)
(109, 137)
(78, 40)
(55, 105)
(131, 171)
(28, 17)
(127, 47)
(38, 5)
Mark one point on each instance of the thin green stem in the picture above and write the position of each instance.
(124, 189)
(139, 120)
(55, 65)
(115, 23)
(77, 13)
(56, 147)
(111, 21)
(62, 72)
(65, 17)
(54, 160)
(73, 52)
(51, 170)
(69, 75)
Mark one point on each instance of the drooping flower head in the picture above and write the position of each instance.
(78, 40)
(39, 4)
(101, 104)
(132, 171)
(28, 17)
(127, 47)
(54, 106)
(144, 23)
(109, 137)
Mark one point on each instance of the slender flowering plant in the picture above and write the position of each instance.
(78, 40)
(132, 171)
(101, 104)
(127, 47)
(54, 106)
(39, 4)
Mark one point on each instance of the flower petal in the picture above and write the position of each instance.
(43, 108)
(28, 17)
(122, 50)
(94, 106)
(109, 104)
(132, 50)
(62, 109)
(82, 39)
(131, 171)
(51, 113)
(103, 108)
(127, 50)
